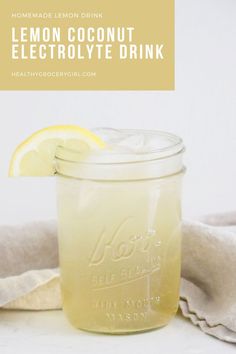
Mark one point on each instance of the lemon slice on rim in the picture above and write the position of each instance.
(35, 155)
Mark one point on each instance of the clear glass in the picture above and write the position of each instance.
(120, 237)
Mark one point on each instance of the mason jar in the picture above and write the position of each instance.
(119, 220)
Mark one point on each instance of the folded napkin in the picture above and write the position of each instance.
(29, 277)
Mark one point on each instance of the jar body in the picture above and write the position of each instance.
(119, 249)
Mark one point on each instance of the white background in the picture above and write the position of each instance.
(202, 110)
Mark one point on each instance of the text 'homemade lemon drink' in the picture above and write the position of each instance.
(120, 231)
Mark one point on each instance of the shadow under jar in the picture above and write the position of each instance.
(119, 216)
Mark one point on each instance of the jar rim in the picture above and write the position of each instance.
(173, 147)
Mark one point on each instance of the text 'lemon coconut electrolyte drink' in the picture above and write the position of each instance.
(120, 231)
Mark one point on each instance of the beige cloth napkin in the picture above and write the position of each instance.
(29, 278)
(208, 289)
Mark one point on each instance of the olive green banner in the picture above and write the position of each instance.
(87, 45)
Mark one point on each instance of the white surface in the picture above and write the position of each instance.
(50, 333)
(202, 110)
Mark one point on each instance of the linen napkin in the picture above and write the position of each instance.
(29, 277)
(208, 287)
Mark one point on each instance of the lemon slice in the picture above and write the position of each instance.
(35, 155)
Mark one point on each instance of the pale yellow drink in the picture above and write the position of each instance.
(119, 244)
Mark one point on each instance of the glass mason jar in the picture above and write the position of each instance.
(120, 234)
